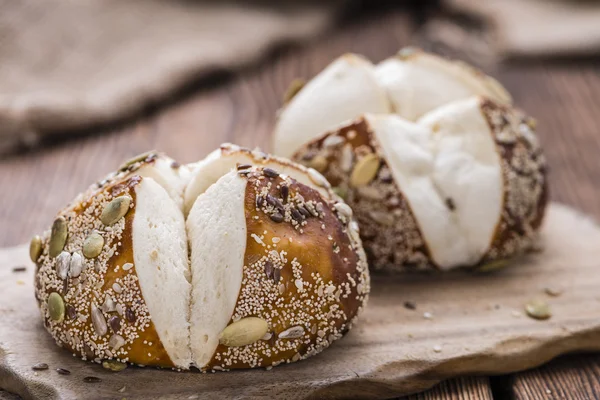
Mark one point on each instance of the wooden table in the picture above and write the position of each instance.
(564, 97)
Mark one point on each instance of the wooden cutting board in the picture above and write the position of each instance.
(475, 324)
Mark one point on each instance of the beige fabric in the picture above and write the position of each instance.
(67, 65)
(538, 28)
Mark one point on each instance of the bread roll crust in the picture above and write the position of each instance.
(304, 274)
(104, 287)
(390, 231)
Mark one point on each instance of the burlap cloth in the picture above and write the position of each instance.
(68, 64)
(520, 29)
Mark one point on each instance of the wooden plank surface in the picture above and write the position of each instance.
(563, 97)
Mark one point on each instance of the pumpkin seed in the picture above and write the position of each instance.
(493, 266)
(98, 321)
(62, 264)
(292, 333)
(56, 307)
(295, 86)
(58, 236)
(115, 210)
(76, 265)
(135, 159)
(113, 365)
(243, 332)
(340, 191)
(319, 163)
(538, 309)
(365, 170)
(92, 245)
(35, 248)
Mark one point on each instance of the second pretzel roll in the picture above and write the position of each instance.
(464, 186)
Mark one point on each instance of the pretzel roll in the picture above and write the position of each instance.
(464, 186)
(268, 267)
(295, 276)
(409, 84)
(418, 82)
(113, 277)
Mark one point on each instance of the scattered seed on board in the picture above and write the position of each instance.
(552, 291)
(19, 268)
(115, 210)
(92, 245)
(538, 309)
(410, 305)
(427, 315)
(35, 248)
(62, 371)
(58, 236)
(113, 365)
(437, 348)
(40, 367)
(92, 379)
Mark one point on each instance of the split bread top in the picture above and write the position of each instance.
(463, 186)
(409, 84)
(265, 266)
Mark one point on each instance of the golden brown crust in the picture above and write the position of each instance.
(524, 180)
(304, 273)
(107, 285)
(389, 231)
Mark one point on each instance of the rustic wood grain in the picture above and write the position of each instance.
(563, 97)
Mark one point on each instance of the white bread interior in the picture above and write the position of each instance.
(216, 228)
(173, 180)
(448, 169)
(220, 162)
(160, 255)
(344, 90)
(420, 82)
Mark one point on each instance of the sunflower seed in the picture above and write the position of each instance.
(243, 332)
(63, 371)
(333, 141)
(365, 170)
(115, 323)
(35, 248)
(40, 367)
(76, 265)
(116, 342)
(344, 209)
(98, 321)
(346, 158)
(92, 379)
(276, 217)
(62, 264)
(292, 333)
(108, 305)
(271, 173)
(285, 191)
(71, 312)
(115, 210)
(130, 315)
(92, 245)
(58, 237)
